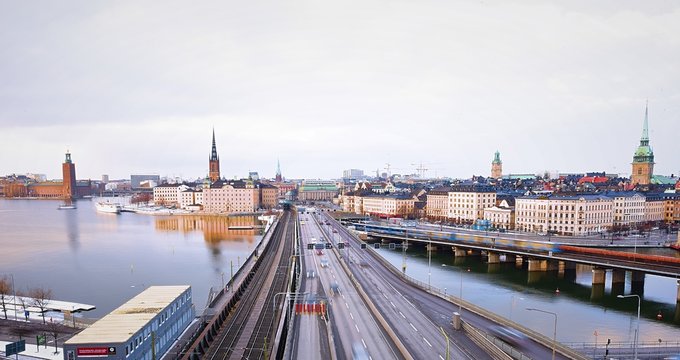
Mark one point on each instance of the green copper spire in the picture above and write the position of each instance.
(644, 153)
(497, 158)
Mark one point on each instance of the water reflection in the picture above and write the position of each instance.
(215, 228)
(507, 289)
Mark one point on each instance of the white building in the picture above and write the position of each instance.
(629, 208)
(231, 197)
(467, 202)
(568, 215)
(501, 216)
(168, 194)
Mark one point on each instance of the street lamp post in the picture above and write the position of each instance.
(637, 330)
(554, 329)
(429, 263)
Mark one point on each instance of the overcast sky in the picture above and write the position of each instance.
(136, 87)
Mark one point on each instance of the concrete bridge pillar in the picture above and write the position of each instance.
(459, 252)
(566, 270)
(599, 277)
(552, 265)
(493, 258)
(431, 248)
(618, 281)
(519, 261)
(637, 283)
(508, 258)
(537, 265)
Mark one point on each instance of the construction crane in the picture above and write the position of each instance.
(421, 170)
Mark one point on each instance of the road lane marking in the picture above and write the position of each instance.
(356, 327)
(363, 342)
(414, 328)
(402, 315)
(428, 343)
(347, 306)
(385, 296)
(352, 316)
(343, 295)
(394, 306)
(441, 357)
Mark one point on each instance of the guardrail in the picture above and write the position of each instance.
(372, 308)
(538, 337)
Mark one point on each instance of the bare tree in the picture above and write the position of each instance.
(5, 291)
(21, 298)
(41, 298)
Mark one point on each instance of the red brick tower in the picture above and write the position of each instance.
(68, 169)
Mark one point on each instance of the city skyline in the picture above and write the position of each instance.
(328, 87)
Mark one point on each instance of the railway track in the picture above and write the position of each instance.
(248, 330)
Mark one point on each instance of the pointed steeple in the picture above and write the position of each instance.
(213, 154)
(278, 178)
(644, 139)
(214, 161)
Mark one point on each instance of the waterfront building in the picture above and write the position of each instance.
(436, 207)
(67, 188)
(466, 203)
(285, 187)
(501, 216)
(231, 196)
(317, 190)
(214, 162)
(269, 196)
(141, 329)
(168, 194)
(497, 166)
(643, 159)
(191, 199)
(564, 214)
(671, 211)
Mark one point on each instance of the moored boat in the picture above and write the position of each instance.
(107, 207)
(67, 207)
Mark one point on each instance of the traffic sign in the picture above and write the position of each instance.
(329, 246)
(363, 245)
(341, 245)
(393, 245)
(310, 246)
(15, 347)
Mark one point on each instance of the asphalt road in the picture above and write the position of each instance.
(351, 323)
(437, 310)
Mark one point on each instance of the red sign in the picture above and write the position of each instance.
(93, 351)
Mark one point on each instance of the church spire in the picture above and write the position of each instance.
(213, 154)
(644, 139)
(214, 161)
(279, 178)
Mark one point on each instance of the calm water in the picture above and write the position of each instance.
(105, 259)
(506, 291)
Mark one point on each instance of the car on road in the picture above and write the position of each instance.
(335, 288)
(509, 335)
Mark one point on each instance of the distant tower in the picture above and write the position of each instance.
(214, 162)
(497, 166)
(68, 169)
(279, 178)
(643, 160)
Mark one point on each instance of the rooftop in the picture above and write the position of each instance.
(120, 324)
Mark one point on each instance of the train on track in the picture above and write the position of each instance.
(503, 243)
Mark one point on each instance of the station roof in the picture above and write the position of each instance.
(122, 323)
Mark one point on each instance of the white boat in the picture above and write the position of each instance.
(107, 207)
(67, 207)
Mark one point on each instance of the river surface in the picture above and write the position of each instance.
(105, 259)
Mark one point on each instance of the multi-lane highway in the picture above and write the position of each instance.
(404, 305)
(348, 330)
